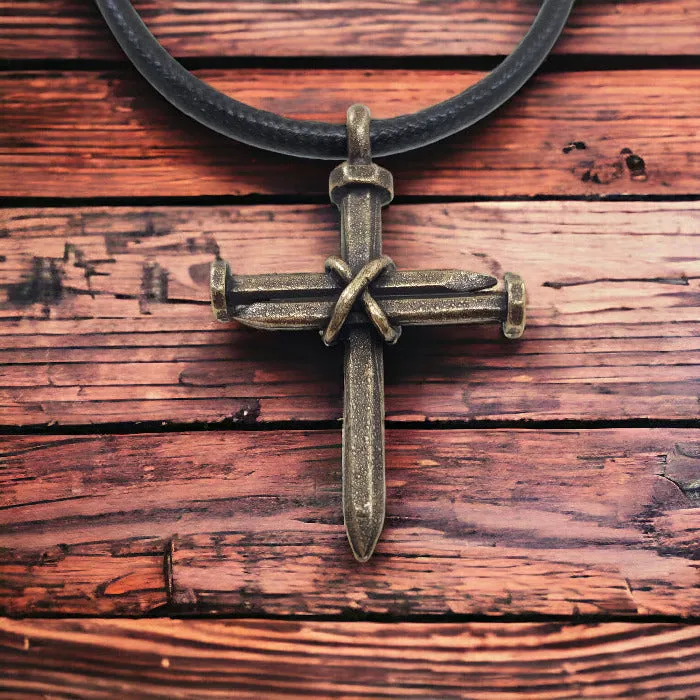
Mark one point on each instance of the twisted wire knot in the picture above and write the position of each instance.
(357, 287)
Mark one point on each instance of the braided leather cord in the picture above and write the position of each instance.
(315, 139)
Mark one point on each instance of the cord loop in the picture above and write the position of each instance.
(316, 139)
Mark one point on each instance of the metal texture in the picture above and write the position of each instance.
(243, 289)
(514, 323)
(360, 189)
(487, 307)
(364, 301)
(357, 283)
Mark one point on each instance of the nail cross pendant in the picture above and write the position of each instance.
(362, 299)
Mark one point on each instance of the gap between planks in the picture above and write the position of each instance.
(72, 29)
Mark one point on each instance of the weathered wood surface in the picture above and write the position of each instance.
(104, 320)
(498, 522)
(86, 134)
(74, 29)
(278, 659)
(105, 317)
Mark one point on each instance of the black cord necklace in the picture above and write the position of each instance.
(314, 139)
(360, 298)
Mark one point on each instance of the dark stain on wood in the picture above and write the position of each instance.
(574, 146)
(154, 286)
(42, 285)
(119, 242)
(49, 280)
(635, 164)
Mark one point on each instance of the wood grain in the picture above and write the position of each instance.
(498, 522)
(86, 134)
(105, 315)
(277, 659)
(104, 322)
(48, 29)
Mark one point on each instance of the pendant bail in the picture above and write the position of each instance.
(359, 142)
(358, 173)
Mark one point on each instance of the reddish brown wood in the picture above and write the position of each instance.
(93, 135)
(105, 315)
(479, 522)
(74, 29)
(104, 319)
(276, 659)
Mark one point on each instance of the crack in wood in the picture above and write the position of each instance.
(682, 281)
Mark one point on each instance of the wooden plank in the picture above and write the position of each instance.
(45, 29)
(105, 317)
(85, 134)
(281, 659)
(242, 523)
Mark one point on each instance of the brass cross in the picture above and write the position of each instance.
(364, 300)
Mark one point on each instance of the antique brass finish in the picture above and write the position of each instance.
(514, 323)
(229, 293)
(218, 284)
(363, 300)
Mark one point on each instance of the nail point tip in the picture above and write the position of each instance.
(476, 281)
(363, 553)
(363, 543)
(488, 280)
